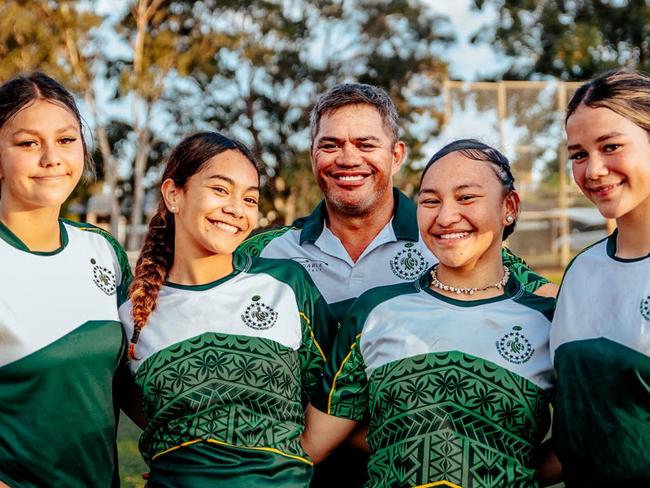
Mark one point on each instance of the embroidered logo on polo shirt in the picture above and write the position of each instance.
(104, 278)
(408, 263)
(514, 347)
(311, 265)
(645, 308)
(259, 316)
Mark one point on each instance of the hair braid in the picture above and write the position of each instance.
(151, 270)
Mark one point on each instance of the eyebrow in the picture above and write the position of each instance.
(231, 181)
(602, 138)
(459, 187)
(337, 139)
(37, 133)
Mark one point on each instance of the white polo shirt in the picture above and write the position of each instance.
(397, 254)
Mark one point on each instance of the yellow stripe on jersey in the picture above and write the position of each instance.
(329, 398)
(311, 332)
(216, 441)
(439, 483)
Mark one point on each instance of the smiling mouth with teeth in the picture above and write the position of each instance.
(605, 188)
(225, 227)
(350, 178)
(453, 235)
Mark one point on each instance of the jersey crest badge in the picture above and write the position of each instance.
(645, 308)
(514, 347)
(408, 263)
(259, 316)
(104, 278)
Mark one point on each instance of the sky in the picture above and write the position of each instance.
(468, 61)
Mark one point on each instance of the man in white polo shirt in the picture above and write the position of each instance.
(364, 233)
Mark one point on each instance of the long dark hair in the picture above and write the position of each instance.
(157, 256)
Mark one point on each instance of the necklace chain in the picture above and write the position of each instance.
(467, 291)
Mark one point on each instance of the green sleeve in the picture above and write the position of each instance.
(254, 245)
(520, 270)
(344, 388)
(318, 329)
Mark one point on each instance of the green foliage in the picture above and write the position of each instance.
(572, 40)
(271, 59)
(250, 69)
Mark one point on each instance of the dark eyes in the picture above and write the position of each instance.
(577, 156)
(31, 142)
(580, 155)
(466, 198)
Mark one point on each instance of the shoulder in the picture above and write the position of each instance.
(375, 297)
(255, 244)
(98, 231)
(585, 260)
(545, 305)
(101, 233)
(285, 270)
(120, 256)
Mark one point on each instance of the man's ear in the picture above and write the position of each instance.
(399, 152)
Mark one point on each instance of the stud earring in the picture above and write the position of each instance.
(172, 210)
(510, 219)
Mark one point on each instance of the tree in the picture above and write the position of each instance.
(58, 38)
(571, 40)
(273, 58)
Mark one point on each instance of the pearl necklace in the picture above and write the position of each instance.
(467, 291)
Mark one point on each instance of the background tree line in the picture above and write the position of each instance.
(254, 69)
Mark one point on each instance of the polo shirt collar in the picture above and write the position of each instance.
(404, 221)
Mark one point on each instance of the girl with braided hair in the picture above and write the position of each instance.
(61, 343)
(225, 348)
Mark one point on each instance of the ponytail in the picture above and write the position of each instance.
(151, 270)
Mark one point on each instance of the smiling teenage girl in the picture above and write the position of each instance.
(601, 333)
(60, 338)
(225, 348)
(452, 369)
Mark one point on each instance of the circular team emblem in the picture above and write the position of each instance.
(104, 278)
(514, 347)
(409, 263)
(645, 308)
(259, 316)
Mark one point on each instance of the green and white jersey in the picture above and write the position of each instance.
(230, 366)
(60, 345)
(600, 342)
(456, 391)
(396, 255)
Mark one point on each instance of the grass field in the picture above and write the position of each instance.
(131, 464)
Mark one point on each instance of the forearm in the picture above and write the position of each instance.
(323, 433)
(549, 470)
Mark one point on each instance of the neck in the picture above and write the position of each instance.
(357, 232)
(199, 270)
(633, 239)
(37, 229)
(478, 275)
